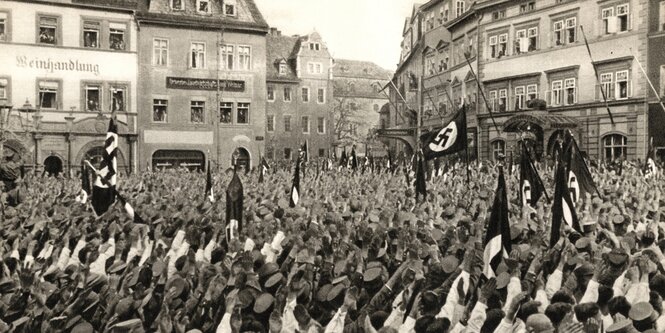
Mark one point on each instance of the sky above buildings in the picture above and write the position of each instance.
(353, 29)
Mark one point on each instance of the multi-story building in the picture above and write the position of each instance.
(299, 95)
(656, 68)
(537, 76)
(202, 92)
(64, 67)
(358, 101)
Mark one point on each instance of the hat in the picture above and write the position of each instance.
(449, 264)
(617, 257)
(335, 291)
(322, 294)
(642, 311)
(127, 326)
(623, 326)
(84, 327)
(502, 280)
(178, 283)
(268, 269)
(540, 323)
(583, 243)
(618, 219)
(585, 269)
(372, 274)
(274, 280)
(263, 302)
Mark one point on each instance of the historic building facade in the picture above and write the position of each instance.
(523, 51)
(299, 95)
(357, 105)
(202, 92)
(64, 67)
(656, 70)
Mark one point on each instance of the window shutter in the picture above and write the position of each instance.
(524, 45)
(612, 24)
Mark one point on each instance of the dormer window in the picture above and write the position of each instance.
(177, 4)
(203, 6)
(282, 69)
(314, 46)
(230, 8)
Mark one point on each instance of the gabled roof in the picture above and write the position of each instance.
(469, 76)
(455, 81)
(428, 49)
(360, 69)
(407, 25)
(279, 49)
(441, 44)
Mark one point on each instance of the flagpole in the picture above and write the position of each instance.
(537, 174)
(602, 91)
(586, 168)
(655, 92)
(482, 93)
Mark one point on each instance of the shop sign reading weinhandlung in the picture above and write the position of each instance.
(204, 84)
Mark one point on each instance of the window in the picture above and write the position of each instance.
(521, 43)
(459, 8)
(198, 55)
(287, 153)
(4, 84)
(48, 94)
(494, 46)
(493, 98)
(498, 149)
(570, 90)
(445, 13)
(558, 33)
(622, 84)
(314, 68)
(203, 6)
(118, 99)
(177, 4)
(282, 69)
(503, 99)
(519, 98)
(48, 30)
(615, 146)
(160, 110)
(304, 124)
(532, 35)
(571, 29)
(662, 16)
(499, 14)
(197, 112)
(287, 94)
(287, 123)
(503, 44)
(270, 153)
(305, 94)
(227, 57)
(609, 20)
(532, 91)
(606, 85)
(622, 15)
(243, 113)
(225, 112)
(229, 8)
(3, 27)
(91, 34)
(270, 123)
(117, 35)
(322, 152)
(160, 54)
(271, 93)
(557, 96)
(244, 57)
(527, 7)
(92, 97)
(321, 95)
(314, 46)
(321, 125)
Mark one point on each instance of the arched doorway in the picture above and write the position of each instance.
(53, 165)
(94, 155)
(241, 160)
(169, 159)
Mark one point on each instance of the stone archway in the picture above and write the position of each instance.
(92, 152)
(53, 165)
(241, 159)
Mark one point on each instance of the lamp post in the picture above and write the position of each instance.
(27, 108)
(5, 111)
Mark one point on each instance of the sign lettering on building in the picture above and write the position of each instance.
(51, 65)
(204, 84)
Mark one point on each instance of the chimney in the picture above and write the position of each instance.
(273, 31)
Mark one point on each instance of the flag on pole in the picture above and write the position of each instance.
(85, 185)
(389, 163)
(103, 189)
(447, 140)
(650, 168)
(264, 167)
(497, 240)
(234, 207)
(354, 159)
(531, 189)
(208, 190)
(295, 188)
(421, 186)
(563, 210)
(580, 181)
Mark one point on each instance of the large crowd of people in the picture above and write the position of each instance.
(359, 253)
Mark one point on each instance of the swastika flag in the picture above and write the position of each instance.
(447, 140)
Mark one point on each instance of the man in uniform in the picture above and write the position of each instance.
(10, 171)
